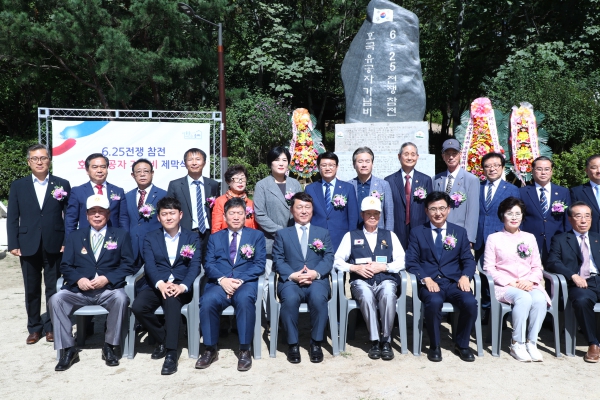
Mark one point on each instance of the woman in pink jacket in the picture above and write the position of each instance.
(513, 260)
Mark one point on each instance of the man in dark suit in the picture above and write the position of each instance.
(439, 254)
(409, 210)
(96, 166)
(36, 232)
(192, 191)
(235, 260)
(589, 192)
(335, 207)
(95, 263)
(546, 205)
(303, 266)
(576, 255)
(171, 266)
(142, 213)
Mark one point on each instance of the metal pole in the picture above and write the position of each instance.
(222, 106)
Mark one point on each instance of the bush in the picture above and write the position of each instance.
(13, 163)
(569, 168)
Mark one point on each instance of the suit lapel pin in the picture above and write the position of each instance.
(556, 193)
(83, 251)
(416, 181)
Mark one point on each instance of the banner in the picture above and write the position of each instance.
(162, 143)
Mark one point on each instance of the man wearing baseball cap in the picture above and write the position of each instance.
(95, 262)
(373, 257)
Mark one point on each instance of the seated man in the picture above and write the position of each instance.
(439, 254)
(172, 263)
(235, 259)
(303, 267)
(95, 263)
(373, 275)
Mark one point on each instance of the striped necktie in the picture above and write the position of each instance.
(328, 203)
(200, 207)
(488, 197)
(543, 200)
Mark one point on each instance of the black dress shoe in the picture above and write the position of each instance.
(316, 354)
(434, 354)
(208, 357)
(464, 354)
(170, 365)
(293, 355)
(108, 355)
(245, 361)
(375, 351)
(159, 352)
(69, 357)
(386, 351)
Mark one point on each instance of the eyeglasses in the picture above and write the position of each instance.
(493, 166)
(238, 180)
(543, 169)
(144, 172)
(579, 217)
(328, 166)
(512, 214)
(38, 159)
(436, 209)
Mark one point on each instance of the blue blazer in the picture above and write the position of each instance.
(218, 263)
(586, 194)
(421, 260)
(488, 217)
(137, 225)
(543, 227)
(77, 211)
(338, 222)
(387, 205)
(157, 265)
(78, 259)
(418, 216)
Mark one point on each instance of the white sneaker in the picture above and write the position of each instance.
(519, 352)
(533, 351)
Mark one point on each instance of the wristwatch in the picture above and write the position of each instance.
(318, 275)
(219, 280)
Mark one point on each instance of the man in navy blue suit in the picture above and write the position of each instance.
(439, 255)
(335, 206)
(589, 192)
(172, 263)
(235, 259)
(409, 209)
(303, 258)
(95, 262)
(546, 205)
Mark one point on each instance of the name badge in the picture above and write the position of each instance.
(381, 259)
(359, 242)
(365, 260)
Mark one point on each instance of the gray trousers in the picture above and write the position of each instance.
(65, 302)
(528, 306)
(372, 299)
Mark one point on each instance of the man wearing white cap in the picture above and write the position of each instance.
(95, 262)
(373, 257)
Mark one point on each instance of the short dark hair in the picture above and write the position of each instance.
(233, 203)
(542, 158)
(93, 156)
(362, 150)
(302, 196)
(577, 204)
(168, 203)
(590, 159)
(509, 203)
(493, 155)
(35, 147)
(328, 155)
(275, 152)
(234, 170)
(194, 150)
(142, 160)
(437, 196)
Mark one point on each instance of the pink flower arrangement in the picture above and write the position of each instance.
(339, 201)
(420, 193)
(523, 250)
(59, 193)
(481, 107)
(449, 242)
(114, 196)
(187, 251)
(147, 211)
(210, 202)
(288, 197)
(317, 246)
(247, 251)
(249, 212)
(458, 198)
(110, 244)
(558, 207)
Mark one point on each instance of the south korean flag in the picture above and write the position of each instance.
(382, 15)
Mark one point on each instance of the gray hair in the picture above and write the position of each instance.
(35, 147)
(362, 150)
(406, 144)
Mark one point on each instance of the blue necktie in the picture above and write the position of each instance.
(200, 207)
(488, 197)
(304, 241)
(543, 200)
(233, 247)
(328, 203)
(438, 243)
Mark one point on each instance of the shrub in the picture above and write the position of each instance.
(569, 168)
(13, 163)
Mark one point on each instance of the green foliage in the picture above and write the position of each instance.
(569, 166)
(13, 163)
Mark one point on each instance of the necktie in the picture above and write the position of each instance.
(488, 196)
(99, 187)
(304, 241)
(328, 204)
(449, 184)
(598, 195)
(96, 244)
(438, 243)
(543, 200)
(407, 194)
(200, 207)
(233, 247)
(584, 271)
(142, 198)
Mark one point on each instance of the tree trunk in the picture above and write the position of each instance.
(456, 67)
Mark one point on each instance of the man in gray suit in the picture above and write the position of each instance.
(366, 185)
(463, 189)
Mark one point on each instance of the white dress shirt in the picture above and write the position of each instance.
(40, 189)
(104, 189)
(593, 268)
(172, 243)
(192, 188)
(333, 182)
(548, 188)
(434, 233)
(345, 248)
(299, 231)
(495, 185)
(93, 233)
(412, 175)
(148, 189)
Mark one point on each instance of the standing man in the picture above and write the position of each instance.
(142, 203)
(171, 266)
(409, 189)
(192, 191)
(35, 228)
(366, 185)
(546, 206)
(95, 263)
(235, 260)
(96, 166)
(335, 207)
(589, 192)
(303, 266)
(462, 186)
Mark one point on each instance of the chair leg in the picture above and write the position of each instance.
(344, 334)
(401, 311)
(417, 328)
(256, 344)
(80, 330)
(478, 333)
(556, 334)
(570, 330)
(496, 322)
(193, 329)
(333, 328)
(274, 328)
(131, 337)
(125, 349)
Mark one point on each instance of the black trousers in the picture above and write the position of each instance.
(583, 301)
(203, 242)
(32, 268)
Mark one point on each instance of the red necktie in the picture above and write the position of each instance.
(142, 198)
(407, 194)
(99, 187)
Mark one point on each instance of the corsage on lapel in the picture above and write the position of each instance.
(210, 202)
(317, 246)
(558, 208)
(187, 251)
(247, 251)
(114, 196)
(339, 201)
(288, 197)
(420, 193)
(110, 244)
(59, 193)
(449, 242)
(458, 198)
(147, 211)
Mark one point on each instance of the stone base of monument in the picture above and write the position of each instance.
(384, 139)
